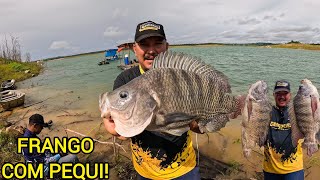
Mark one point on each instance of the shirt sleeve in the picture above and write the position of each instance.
(32, 156)
(118, 82)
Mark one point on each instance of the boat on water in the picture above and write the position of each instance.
(127, 62)
(125, 67)
(110, 55)
(8, 85)
(11, 99)
(103, 62)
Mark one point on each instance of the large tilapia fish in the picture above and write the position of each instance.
(177, 90)
(256, 117)
(306, 107)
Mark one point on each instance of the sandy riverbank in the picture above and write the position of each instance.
(221, 153)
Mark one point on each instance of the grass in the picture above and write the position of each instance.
(297, 46)
(237, 141)
(16, 70)
(8, 149)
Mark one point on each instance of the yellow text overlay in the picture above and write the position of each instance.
(63, 170)
(71, 145)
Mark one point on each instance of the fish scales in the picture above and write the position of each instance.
(188, 92)
(256, 117)
(306, 108)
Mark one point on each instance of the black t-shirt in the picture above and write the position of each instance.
(279, 136)
(158, 144)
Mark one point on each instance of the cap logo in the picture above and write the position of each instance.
(283, 84)
(149, 26)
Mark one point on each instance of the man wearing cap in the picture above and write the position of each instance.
(281, 159)
(156, 155)
(35, 126)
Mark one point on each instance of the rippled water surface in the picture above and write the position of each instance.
(243, 66)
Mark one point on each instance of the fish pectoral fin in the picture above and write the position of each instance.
(213, 123)
(175, 119)
(177, 132)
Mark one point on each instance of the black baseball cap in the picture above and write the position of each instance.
(37, 119)
(281, 85)
(148, 29)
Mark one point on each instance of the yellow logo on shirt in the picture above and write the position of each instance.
(280, 126)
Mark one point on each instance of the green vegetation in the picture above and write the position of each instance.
(297, 45)
(10, 69)
(11, 61)
(8, 149)
(237, 141)
(234, 167)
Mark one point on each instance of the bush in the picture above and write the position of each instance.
(16, 66)
(15, 70)
(8, 149)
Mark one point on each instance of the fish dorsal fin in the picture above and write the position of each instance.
(177, 60)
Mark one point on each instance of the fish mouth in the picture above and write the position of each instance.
(104, 105)
(258, 90)
(131, 129)
(132, 125)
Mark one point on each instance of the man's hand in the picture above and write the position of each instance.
(110, 127)
(195, 127)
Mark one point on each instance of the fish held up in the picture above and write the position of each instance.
(178, 90)
(307, 113)
(256, 117)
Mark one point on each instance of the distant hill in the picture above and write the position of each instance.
(59, 57)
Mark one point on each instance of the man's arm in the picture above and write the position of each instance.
(32, 156)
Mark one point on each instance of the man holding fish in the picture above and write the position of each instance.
(283, 154)
(158, 109)
(281, 128)
(155, 155)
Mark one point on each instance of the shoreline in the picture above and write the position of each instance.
(78, 110)
(303, 46)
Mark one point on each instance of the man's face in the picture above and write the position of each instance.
(38, 128)
(147, 49)
(282, 98)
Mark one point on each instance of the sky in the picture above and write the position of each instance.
(50, 28)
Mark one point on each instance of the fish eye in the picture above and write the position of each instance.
(123, 94)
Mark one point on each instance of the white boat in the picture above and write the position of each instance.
(8, 84)
(11, 99)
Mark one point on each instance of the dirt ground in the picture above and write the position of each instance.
(220, 154)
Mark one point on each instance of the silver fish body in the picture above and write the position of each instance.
(256, 117)
(177, 90)
(307, 113)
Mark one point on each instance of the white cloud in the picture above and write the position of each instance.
(56, 45)
(95, 24)
(119, 12)
(113, 32)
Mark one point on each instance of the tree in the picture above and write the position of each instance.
(28, 57)
(10, 50)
